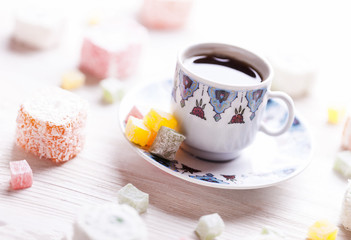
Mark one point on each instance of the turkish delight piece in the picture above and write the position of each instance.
(156, 118)
(21, 174)
(109, 222)
(137, 132)
(322, 230)
(335, 114)
(51, 124)
(72, 80)
(346, 135)
(38, 27)
(209, 226)
(135, 113)
(345, 215)
(135, 198)
(166, 143)
(165, 14)
(113, 50)
(342, 163)
(113, 90)
(268, 233)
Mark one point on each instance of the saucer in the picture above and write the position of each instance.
(266, 162)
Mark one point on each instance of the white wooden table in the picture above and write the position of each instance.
(108, 162)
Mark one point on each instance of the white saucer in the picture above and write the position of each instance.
(268, 161)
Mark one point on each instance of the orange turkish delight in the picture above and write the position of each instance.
(157, 118)
(51, 124)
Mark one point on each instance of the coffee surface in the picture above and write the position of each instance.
(222, 69)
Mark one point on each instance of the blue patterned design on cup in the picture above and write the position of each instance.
(187, 87)
(220, 100)
(255, 98)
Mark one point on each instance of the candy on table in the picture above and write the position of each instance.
(113, 49)
(135, 198)
(322, 230)
(113, 90)
(156, 118)
(269, 233)
(21, 174)
(294, 73)
(51, 124)
(72, 80)
(137, 132)
(342, 163)
(165, 14)
(345, 215)
(109, 222)
(210, 226)
(336, 114)
(38, 27)
(346, 135)
(135, 113)
(166, 143)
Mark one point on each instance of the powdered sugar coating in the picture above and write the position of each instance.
(51, 124)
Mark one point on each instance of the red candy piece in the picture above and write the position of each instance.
(21, 174)
(135, 113)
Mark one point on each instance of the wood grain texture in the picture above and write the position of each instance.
(108, 162)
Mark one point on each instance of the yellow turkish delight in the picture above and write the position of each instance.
(137, 132)
(335, 114)
(322, 230)
(72, 79)
(157, 118)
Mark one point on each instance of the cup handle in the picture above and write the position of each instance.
(290, 104)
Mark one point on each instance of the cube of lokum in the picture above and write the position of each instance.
(322, 230)
(51, 124)
(113, 90)
(342, 163)
(155, 118)
(345, 215)
(72, 79)
(135, 113)
(137, 132)
(165, 14)
(346, 135)
(210, 226)
(335, 114)
(135, 198)
(112, 50)
(38, 27)
(166, 143)
(21, 174)
(109, 222)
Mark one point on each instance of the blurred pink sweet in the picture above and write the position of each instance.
(165, 14)
(113, 49)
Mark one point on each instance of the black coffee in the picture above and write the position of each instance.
(222, 69)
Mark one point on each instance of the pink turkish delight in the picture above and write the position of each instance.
(21, 174)
(113, 50)
(165, 14)
(135, 113)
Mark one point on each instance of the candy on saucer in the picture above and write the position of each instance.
(294, 74)
(21, 174)
(135, 113)
(72, 79)
(113, 90)
(38, 27)
(166, 143)
(322, 230)
(113, 49)
(156, 118)
(165, 14)
(209, 226)
(51, 124)
(109, 222)
(135, 198)
(137, 132)
(346, 135)
(345, 215)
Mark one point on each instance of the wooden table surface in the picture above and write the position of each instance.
(317, 29)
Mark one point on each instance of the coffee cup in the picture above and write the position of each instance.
(219, 96)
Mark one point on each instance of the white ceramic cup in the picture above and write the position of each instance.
(220, 120)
